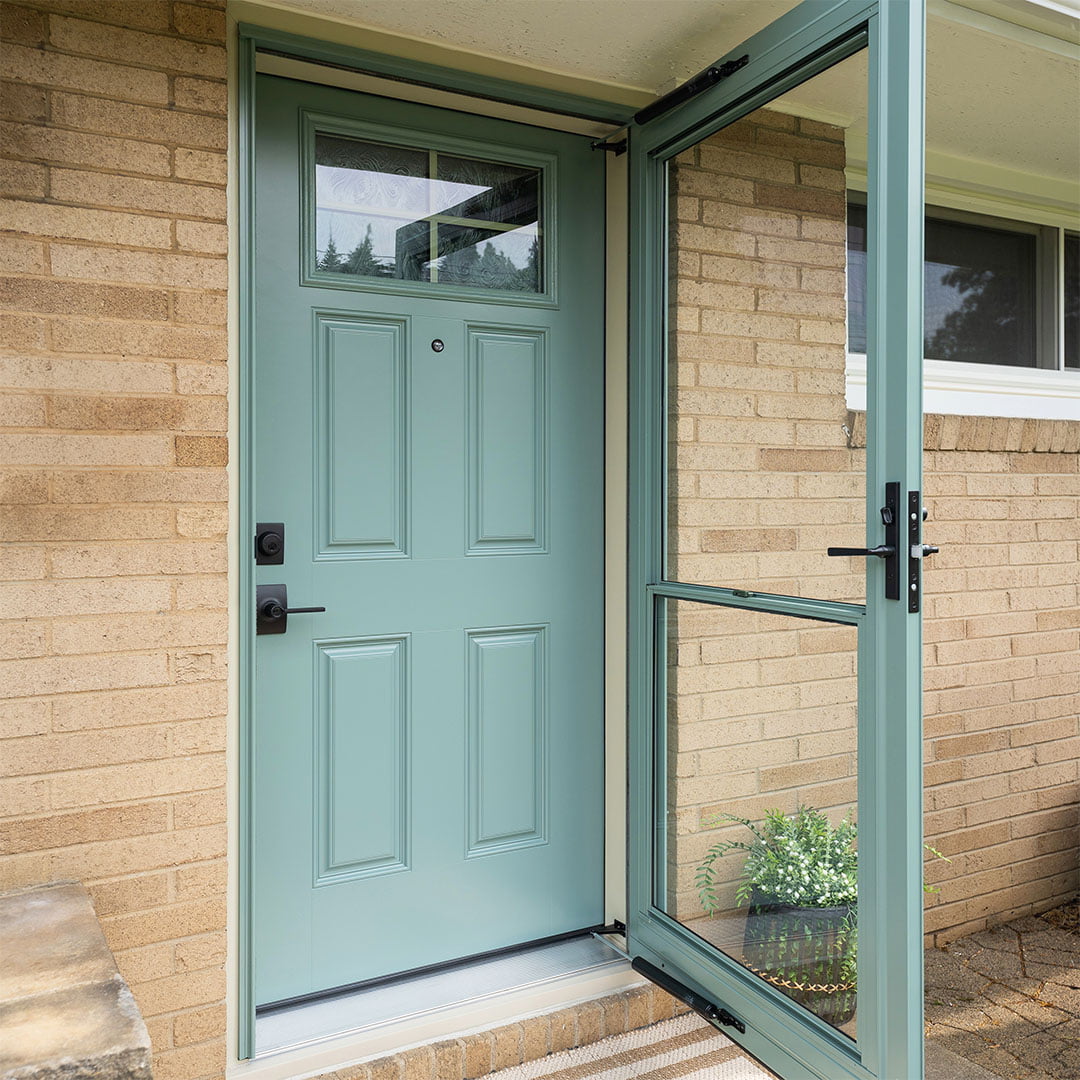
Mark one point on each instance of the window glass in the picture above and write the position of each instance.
(1072, 300)
(979, 292)
(418, 215)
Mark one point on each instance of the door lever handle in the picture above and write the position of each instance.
(882, 551)
(272, 609)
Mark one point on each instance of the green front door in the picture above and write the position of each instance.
(428, 377)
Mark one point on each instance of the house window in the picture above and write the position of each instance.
(1001, 327)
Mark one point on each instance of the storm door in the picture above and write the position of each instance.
(428, 488)
(777, 547)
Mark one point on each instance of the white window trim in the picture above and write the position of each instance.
(955, 388)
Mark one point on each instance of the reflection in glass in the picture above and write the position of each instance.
(979, 291)
(765, 464)
(758, 798)
(418, 215)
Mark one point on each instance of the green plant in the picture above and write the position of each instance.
(801, 860)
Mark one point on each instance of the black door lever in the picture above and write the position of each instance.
(272, 609)
(882, 551)
(890, 550)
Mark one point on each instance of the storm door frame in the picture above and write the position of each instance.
(789, 1039)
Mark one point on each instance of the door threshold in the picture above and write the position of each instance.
(289, 1027)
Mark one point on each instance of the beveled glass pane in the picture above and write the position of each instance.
(765, 462)
(757, 797)
(414, 214)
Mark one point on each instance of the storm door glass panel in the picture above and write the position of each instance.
(415, 214)
(756, 805)
(765, 463)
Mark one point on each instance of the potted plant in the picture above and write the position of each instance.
(799, 882)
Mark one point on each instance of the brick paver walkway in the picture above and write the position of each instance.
(1008, 999)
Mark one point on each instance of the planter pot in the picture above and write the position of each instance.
(802, 952)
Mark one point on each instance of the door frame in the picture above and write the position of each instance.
(798, 45)
(252, 39)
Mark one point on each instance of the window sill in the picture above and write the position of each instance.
(955, 389)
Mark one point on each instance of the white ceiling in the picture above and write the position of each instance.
(1005, 96)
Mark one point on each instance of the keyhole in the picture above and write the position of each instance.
(437, 345)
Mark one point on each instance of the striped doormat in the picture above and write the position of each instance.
(686, 1048)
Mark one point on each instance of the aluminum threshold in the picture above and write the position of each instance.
(291, 1027)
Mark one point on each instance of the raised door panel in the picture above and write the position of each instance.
(362, 435)
(507, 441)
(507, 739)
(362, 725)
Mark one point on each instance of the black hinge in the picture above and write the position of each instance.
(717, 1015)
(618, 148)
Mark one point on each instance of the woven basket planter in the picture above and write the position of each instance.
(801, 951)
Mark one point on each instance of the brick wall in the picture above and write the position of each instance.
(113, 488)
(1002, 668)
(765, 467)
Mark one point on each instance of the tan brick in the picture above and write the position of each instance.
(138, 339)
(176, 271)
(21, 25)
(88, 412)
(23, 797)
(200, 882)
(202, 308)
(202, 951)
(78, 223)
(536, 1037)
(202, 522)
(563, 1030)
(507, 1046)
(137, 780)
(135, 558)
(196, 21)
(136, 193)
(30, 294)
(23, 179)
(24, 523)
(21, 411)
(124, 119)
(117, 43)
(124, 633)
(51, 675)
(477, 1053)
(21, 718)
(139, 486)
(18, 101)
(63, 830)
(96, 151)
(202, 451)
(200, 165)
(58, 752)
(130, 893)
(204, 807)
(45, 68)
(203, 95)
(202, 236)
(22, 256)
(199, 1025)
(205, 1059)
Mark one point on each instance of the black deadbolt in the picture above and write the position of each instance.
(270, 543)
(437, 345)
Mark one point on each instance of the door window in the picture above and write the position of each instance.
(408, 214)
